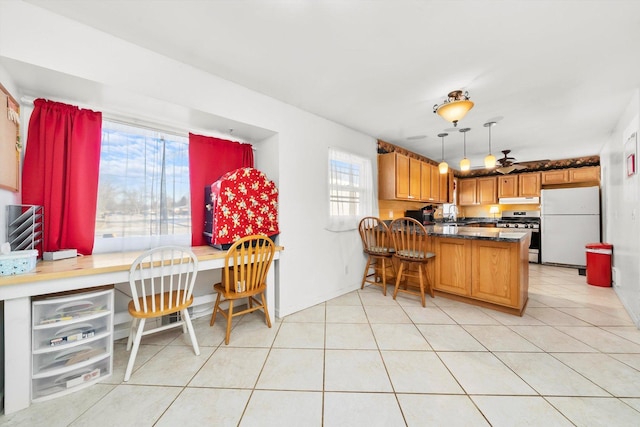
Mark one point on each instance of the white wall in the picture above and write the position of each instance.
(316, 264)
(621, 208)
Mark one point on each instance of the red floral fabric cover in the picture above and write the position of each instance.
(244, 202)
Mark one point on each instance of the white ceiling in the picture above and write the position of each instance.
(555, 75)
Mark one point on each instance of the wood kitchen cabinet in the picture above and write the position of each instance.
(477, 191)
(435, 183)
(581, 175)
(520, 185)
(453, 265)
(467, 191)
(488, 273)
(487, 191)
(585, 174)
(398, 177)
(495, 269)
(558, 176)
(402, 177)
(425, 182)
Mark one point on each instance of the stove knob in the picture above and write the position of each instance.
(507, 225)
(517, 225)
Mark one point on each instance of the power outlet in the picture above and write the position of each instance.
(346, 270)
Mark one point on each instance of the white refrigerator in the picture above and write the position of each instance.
(570, 220)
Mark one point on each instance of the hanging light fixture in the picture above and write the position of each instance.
(455, 107)
(443, 167)
(490, 160)
(465, 164)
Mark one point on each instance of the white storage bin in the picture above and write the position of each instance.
(68, 333)
(64, 358)
(46, 388)
(72, 342)
(18, 262)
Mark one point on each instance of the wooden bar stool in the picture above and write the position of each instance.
(411, 241)
(377, 244)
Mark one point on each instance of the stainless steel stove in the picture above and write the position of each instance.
(528, 220)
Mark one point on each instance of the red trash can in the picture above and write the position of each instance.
(599, 264)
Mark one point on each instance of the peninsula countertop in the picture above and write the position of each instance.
(476, 233)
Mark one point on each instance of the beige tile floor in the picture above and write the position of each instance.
(366, 360)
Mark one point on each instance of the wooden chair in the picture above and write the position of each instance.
(410, 240)
(377, 244)
(244, 276)
(161, 281)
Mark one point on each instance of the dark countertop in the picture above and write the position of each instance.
(478, 233)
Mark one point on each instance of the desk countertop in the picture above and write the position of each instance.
(96, 264)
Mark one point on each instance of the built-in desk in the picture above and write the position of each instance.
(67, 275)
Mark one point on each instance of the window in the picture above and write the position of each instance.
(350, 190)
(143, 189)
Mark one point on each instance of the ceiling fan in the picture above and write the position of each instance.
(507, 165)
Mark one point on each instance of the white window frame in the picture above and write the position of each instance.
(141, 242)
(355, 183)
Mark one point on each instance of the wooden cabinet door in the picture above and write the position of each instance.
(444, 187)
(402, 176)
(508, 186)
(529, 184)
(425, 182)
(453, 265)
(558, 176)
(467, 189)
(435, 183)
(487, 191)
(414, 179)
(495, 272)
(585, 174)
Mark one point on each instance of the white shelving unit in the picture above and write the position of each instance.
(72, 343)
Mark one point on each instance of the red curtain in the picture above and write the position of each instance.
(60, 173)
(209, 159)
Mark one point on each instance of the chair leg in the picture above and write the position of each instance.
(192, 333)
(421, 273)
(366, 271)
(266, 311)
(398, 279)
(132, 332)
(384, 276)
(229, 320)
(430, 284)
(216, 307)
(134, 350)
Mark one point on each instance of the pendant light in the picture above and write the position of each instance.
(455, 107)
(443, 167)
(465, 164)
(490, 160)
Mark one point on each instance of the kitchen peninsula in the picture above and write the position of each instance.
(488, 267)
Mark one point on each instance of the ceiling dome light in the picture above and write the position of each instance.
(465, 164)
(490, 160)
(455, 107)
(443, 167)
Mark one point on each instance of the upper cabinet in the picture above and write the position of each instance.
(477, 191)
(404, 178)
(521, 185)
(585, 174)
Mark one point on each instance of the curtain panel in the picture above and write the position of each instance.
(209, 159)
(60, 173)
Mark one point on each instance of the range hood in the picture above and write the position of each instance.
(519, 200)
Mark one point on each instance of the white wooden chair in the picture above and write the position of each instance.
(161, 281)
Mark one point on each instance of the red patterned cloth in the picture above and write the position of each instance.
(244, 202)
